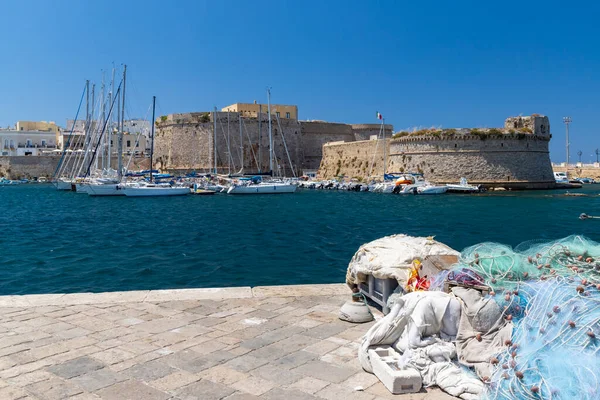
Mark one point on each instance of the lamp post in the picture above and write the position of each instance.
(567, 121)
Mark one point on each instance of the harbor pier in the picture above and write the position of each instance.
(242, 343)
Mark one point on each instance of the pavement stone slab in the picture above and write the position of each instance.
(73, 368)
(99, 379)
(131, 390)
(325, 371)
(204, 390)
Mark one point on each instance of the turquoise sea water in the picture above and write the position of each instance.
(55, 242)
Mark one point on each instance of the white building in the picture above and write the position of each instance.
(27, 143)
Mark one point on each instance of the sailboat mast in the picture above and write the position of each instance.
(110, 131)
(384, 152)
(270, 131)
(215, 138)
(120, 140)
(102, 117)
(228, 147)
(259, 138)
(152, 134)
(241, 142)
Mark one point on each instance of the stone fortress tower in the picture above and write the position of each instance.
(515, 156)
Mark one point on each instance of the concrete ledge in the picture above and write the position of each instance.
(34, 300)
(157, 296)
(334, 289)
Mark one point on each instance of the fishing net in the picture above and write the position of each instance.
(551, 292)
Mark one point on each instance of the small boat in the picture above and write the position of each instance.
(431, 189)
(463, 187)
(262, 188)
(202, 192)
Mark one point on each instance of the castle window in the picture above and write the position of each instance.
(501, 144)
(287, 115)
(277, 112)
(455, 145)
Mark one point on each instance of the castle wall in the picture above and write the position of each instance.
(366, 131)
(519, 161)
(185, 142)
(505, 158)
(353, 160)
(315, 134)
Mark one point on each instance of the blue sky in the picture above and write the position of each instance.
(419, 63)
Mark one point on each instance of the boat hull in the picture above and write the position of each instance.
(262, 189)
(82, 188)
(155, 191)
(432, 190)
(63, 185)
(105, 190)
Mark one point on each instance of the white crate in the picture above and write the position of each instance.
(379, 290)
(384, 360)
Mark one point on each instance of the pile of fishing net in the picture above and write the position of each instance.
(551, 294)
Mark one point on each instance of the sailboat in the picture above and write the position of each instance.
(143, 189)
(256, 185)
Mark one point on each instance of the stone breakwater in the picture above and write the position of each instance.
(269, 343)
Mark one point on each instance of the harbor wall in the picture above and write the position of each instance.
(185, 142)
(584, 171)
(19, 167)
(513, 161)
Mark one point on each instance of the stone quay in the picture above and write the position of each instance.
(278, 342)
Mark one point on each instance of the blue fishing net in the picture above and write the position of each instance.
(551, 291)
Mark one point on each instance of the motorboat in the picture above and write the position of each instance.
(431, 189)
(463, 187)
(561, 177)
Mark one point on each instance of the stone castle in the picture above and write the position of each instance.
(515, 156)
(185, 142)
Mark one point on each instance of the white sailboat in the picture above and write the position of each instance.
(256, 186)
(143, 189)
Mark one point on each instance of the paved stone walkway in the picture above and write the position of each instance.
(236, 344)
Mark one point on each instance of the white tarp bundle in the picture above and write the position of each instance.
(392, 257)
(421, 325)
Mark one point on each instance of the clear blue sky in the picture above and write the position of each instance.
(419, 63)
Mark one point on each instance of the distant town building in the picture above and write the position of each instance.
(29, 138)
(252, 110)
(42, 126)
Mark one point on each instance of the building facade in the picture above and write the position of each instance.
(26, 143)
(252, 110)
